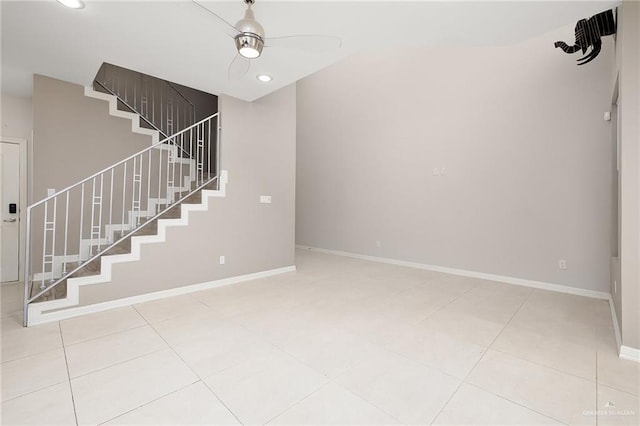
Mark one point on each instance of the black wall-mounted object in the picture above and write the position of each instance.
(13, 208)
(588, 34)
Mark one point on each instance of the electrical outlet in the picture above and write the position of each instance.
(562, 264)
(436, 171)
(443, 171)
(222, 260)
(378, 243)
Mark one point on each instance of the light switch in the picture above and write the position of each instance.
(265, 199)
(50, 192)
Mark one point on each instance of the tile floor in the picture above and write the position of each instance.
(340, 341)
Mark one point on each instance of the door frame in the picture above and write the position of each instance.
(22, 203)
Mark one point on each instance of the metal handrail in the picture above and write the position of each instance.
(97, 255)
(85, 180)
(131, 182)
(179, 93)
(167, 111)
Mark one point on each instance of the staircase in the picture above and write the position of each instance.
(75, 236)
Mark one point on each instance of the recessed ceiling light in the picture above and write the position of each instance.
(73, 4)
(264, 78)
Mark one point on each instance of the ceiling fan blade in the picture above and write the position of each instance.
(239, 67)
(312, 43)
(226, 27)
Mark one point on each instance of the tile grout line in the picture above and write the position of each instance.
(506, 399)
(108, 335)
(293, 357)
(296, 403)
(441, 308)
(568, 373)
(33, 391)
(119, 363)
(32, 354)
(550, 367)
(149, 402)
(221, 401)
(463, 381)
(619, 389)
(517, 403)
(377, 345)
(332, 380)
(279, 349)
(189, 367)
(594, 381)
(104, 335)
(382, 410)
(132, 359)
(66, 363)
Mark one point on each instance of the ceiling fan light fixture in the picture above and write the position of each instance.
(73, 4)
(249, 25)
(249, 45)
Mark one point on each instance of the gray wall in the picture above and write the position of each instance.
(258, 150)
(627, 70)
(519, 130)
(17, 122)
(17, 117)
(74, 136)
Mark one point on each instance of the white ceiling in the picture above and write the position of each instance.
(180, 42)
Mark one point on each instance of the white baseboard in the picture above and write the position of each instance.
(42, 318)
(472, 274)
(624, 352)
(616, 326)
(631, 354)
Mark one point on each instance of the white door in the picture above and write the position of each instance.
(9, 216)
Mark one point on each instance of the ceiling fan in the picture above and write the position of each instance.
(250, 40)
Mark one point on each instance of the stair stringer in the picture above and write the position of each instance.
(114, 111)
(53, 310)
(87, 244)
